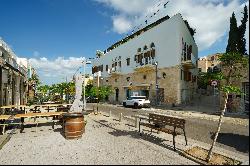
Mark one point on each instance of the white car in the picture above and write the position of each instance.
(136, 101)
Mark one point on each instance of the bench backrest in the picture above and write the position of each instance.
(167, 120)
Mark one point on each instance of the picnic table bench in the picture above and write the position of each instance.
(55, 118)
(6, 120)
(160, 123)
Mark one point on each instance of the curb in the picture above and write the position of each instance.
(193, 158)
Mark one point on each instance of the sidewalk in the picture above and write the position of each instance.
(180, 141)
(106, 141)
(191, 114)
(185, 113)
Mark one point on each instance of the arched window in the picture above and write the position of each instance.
(152, 45)
(145, 47)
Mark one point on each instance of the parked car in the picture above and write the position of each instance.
(92, 99)
(137, 102)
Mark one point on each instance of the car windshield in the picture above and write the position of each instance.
(138, 97)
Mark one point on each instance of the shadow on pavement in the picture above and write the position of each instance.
(239, 142)
(145, 136)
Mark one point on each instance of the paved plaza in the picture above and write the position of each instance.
(106, 141)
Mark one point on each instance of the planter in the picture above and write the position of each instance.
(73, 125)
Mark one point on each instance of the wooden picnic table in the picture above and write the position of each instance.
(48, 106)
(21, 117)
(45, 114)
(37, 115)
(4, 117)
(9, 107)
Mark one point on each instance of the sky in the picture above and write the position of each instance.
(55, 35)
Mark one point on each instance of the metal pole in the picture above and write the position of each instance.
(67, 91)
(97, 92)
(156, 83)
(214, 99)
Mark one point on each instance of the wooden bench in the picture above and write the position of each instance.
(160, 123)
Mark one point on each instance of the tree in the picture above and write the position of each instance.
(104, 92)
(232, 64)
(205, 78)
(242, 30)
(191, 30)
(233, 40)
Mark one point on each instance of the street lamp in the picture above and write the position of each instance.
(156, 82)
(98, 85)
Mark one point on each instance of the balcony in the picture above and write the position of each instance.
(115, 72)
(189, 62)
(144, 68)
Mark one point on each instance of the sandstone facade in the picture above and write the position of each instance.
(173, 88)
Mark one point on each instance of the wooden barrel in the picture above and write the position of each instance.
(74, 125)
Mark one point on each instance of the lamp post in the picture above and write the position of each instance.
(98, 85)
(156, 83)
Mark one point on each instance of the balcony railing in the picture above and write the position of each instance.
(189, 62)
(145, 63)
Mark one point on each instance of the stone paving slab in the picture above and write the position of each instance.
(106, 141)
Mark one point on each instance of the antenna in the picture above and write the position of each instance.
(148, 18)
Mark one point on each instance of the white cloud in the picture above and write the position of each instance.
(210, 18)
(121, 24)
(53, 71)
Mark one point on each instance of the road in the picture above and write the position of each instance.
(233, 137)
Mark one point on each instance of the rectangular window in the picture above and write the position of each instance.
(181, 74)
(200, 70)
(153, 53)
(146, 61)
(128, 61)
(189, 76)
(120, 64)
(107, 67)
(115, 64)
(184, 51)
(101, 68)
(135, 59)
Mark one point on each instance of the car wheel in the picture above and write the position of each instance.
(136, 105)
(124, 104)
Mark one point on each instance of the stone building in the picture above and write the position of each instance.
(164, 48)
(236, 103)
(209, 63)
(13, 77)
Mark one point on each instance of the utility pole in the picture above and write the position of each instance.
(156, 82)
(98, 80)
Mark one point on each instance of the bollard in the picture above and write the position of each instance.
(136, 122)
(120, 117)
(110, 113)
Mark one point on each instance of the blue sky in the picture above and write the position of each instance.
(52, 31)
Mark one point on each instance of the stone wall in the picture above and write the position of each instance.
(236, 102)
(144, 78)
